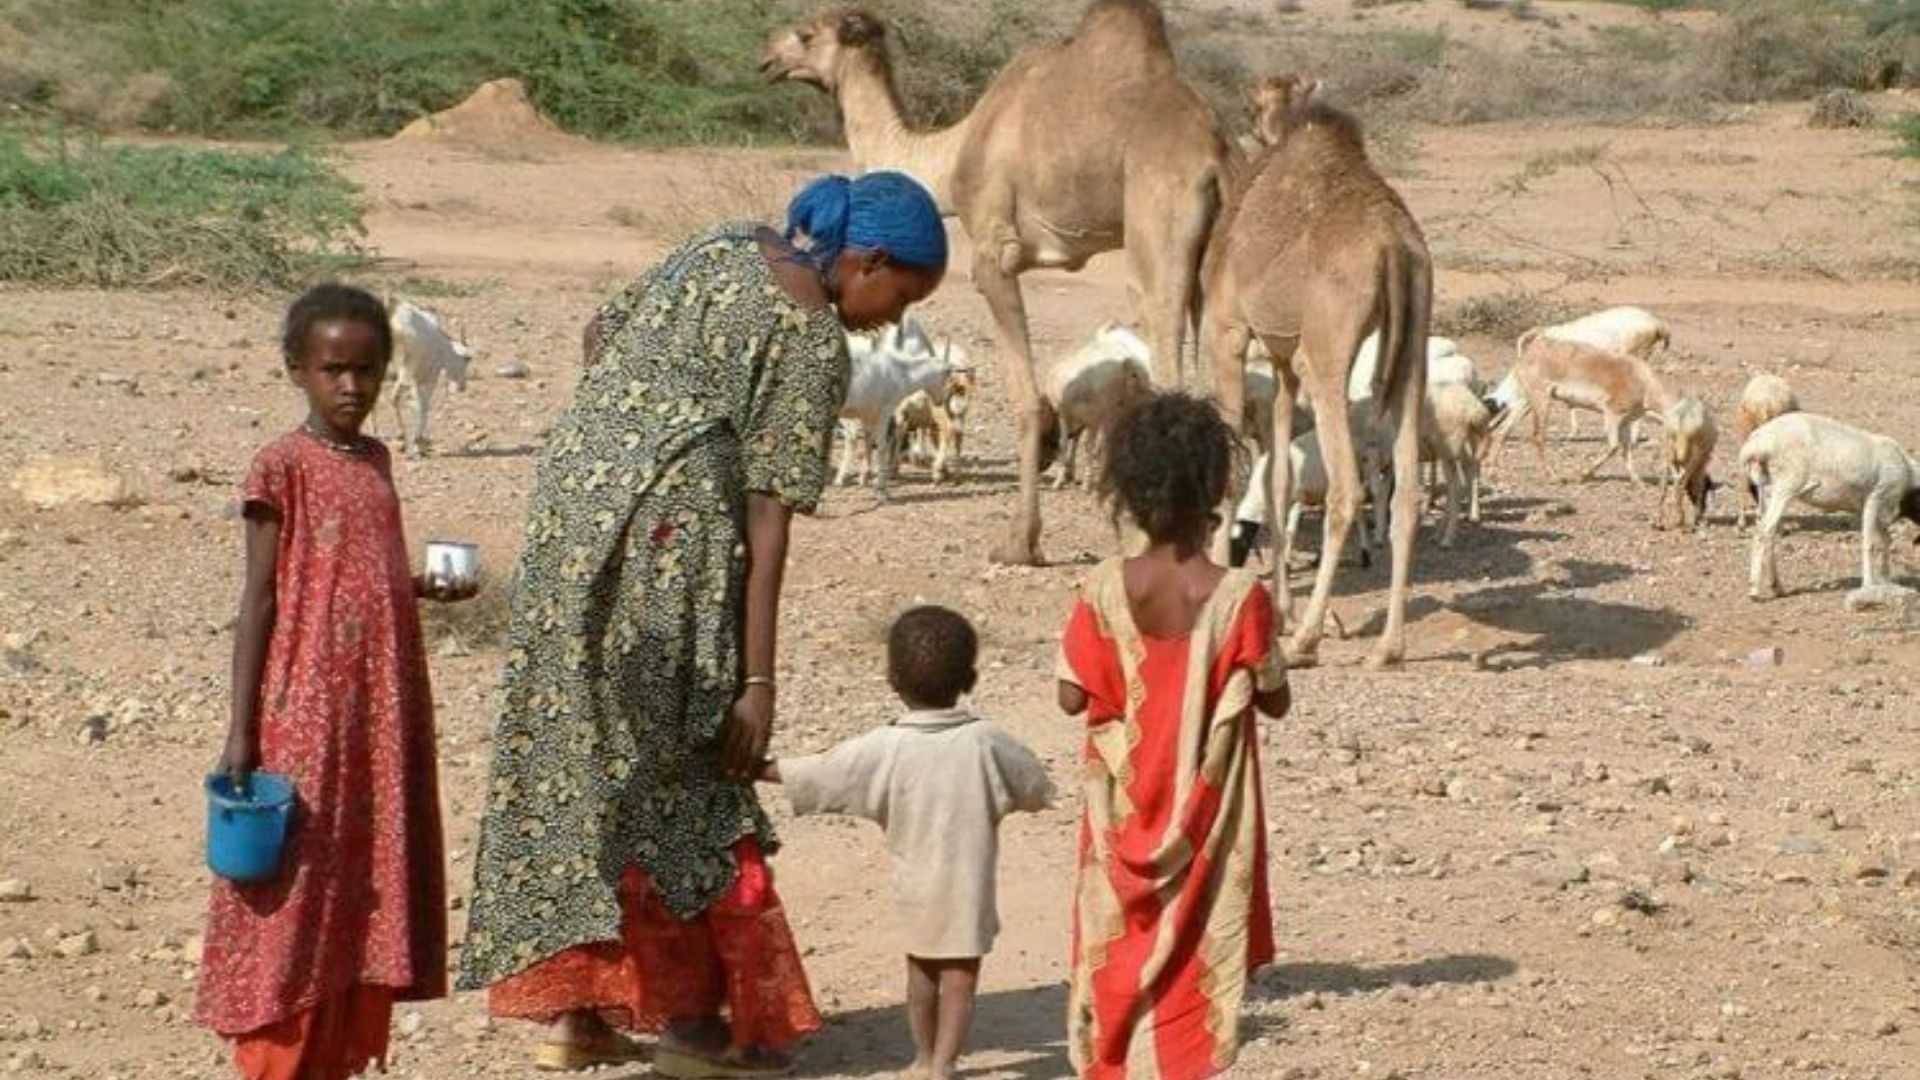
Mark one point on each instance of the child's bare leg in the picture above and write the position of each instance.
(923, 1010)
(958, 981)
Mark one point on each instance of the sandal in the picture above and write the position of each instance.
(610, 1049)
(681, 1062)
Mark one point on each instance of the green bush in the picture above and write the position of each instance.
(1906, 133)
(126, 216)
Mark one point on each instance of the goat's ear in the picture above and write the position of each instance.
(858, 26)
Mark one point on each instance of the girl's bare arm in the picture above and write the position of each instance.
(1274, 703)
(252, 630)
(1073, 700)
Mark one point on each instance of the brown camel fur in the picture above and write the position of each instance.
(1312, 253)
(1086, 146)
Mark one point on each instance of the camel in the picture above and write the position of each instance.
(1085, 146)
(1313, 252)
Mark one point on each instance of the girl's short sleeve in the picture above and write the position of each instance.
(790, 427)
(1090, 660)
(1254, 647)
(268, 485)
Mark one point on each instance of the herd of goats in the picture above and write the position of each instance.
(1311, 289)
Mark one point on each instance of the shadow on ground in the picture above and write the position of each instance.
(1289, 980)
(1017, 1035)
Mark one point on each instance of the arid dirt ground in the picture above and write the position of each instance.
(1527, 855)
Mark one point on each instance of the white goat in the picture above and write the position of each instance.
(424, 350)
(1620, 388)
(1091, 386)
(1765, 397)
(1625, 331)
(1454, 425)
(886, 371)
(1688, 449)
(1829, 466)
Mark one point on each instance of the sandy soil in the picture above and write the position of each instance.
(1577, 836)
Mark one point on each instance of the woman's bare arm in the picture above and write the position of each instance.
(750, 725)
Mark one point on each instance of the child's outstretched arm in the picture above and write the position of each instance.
(1073, 700)
(1273, 703)
(252, 630)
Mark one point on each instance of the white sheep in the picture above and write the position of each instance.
(1765, 397)
(1625, 330)
(1091, 386)
(1620, 388)
(1687, 443)
(1829, 466)
(1454, 426)
(886, 371)
(424, 350)
(1445, 363)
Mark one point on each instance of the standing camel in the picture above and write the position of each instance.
(1313, 252)
(1077, 148)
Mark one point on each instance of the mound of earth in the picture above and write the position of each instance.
(497, 116)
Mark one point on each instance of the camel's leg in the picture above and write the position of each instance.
(1165, 233)
(995, 270)
(1280, 480)
(1327, 388)
(1764, 579)
(1406, 514)
(1228, 343)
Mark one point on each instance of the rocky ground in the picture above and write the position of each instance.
(1612, 819)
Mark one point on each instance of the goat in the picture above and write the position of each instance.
(1091, 386)
(1829, 466)
(1765, 397)
(886, 371)
(425, 350)
(1620, 388)
(1688, 445)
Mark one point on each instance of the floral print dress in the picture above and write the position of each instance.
(709, 381)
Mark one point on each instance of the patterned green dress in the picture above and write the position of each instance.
(709, 382)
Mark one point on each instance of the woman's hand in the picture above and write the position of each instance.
(749, 728)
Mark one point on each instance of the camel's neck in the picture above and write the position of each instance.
(878, 135)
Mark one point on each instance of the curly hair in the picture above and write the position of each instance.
(1169, 460)
(332, 301)
(931, 652)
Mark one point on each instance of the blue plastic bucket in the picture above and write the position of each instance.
(247, 829)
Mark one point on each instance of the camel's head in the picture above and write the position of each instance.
(813, 52)
(1279, 103)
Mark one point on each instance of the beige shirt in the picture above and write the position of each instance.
(938, 783)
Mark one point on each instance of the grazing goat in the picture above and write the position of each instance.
(1765, 397)
(425, 350)
(1829, 466)
(886, 371)
(1688, 444)
(1454, 425)
(1091, 386)
(1620, 388)
(1624, 331)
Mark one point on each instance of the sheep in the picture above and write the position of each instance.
(1092, 385)
(1454, 426)
(1308, 487)
(1626, 331)
(425, 350)
(930, 425)
(1830, 466)
(1765, 397)
(886, 371)
(1621, 388)
(1688, 445)
(1445, 363)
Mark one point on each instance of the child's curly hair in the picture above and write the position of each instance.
(1169, 460)
(332, 301)
(931, 653)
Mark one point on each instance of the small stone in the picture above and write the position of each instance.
(512, 369)
(96, 995)
(1606, 916)
(1649, 659)
(149, 999)
(1770, 656)
(1911, 879)
(26, 1060)
(75, 946)
(1594, 771)
(185, 474)
(16, 949)
(1870, 868)
(1802, 845)
(15, 891)
(412, 1026)
(116, 877)
(1876, 598)
(1886, 1027)
(114, 378)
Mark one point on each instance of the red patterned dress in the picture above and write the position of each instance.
(1171, 910)
(301, 970)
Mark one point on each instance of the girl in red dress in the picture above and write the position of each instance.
(1169, 656)
(330, 688)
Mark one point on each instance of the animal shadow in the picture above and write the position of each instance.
(1288, 980)
(1563, 627)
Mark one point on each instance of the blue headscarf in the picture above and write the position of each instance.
(887, 210)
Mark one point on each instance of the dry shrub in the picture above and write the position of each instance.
(1504, 314)
(1772, 49)
(1840, 109)
(738, 190)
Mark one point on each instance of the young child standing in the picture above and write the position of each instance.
(330, 688)
(938, 780)
(1169, 656)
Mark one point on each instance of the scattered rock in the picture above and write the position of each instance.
(153, 999)
(1870, 868)
(51, 483)
(26, 1061)
(129, 383)
(16, 949)
(75, 946)
(15, 891)
(185, 474)
(1798, 844)
(1649, 659)
(116, 877)
(512, 369)
(412, 1026)
(1770, 656)
(1877, 598)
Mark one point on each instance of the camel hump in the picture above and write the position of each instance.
(1132, 26)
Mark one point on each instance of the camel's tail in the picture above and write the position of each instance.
(1406, 308)
(1214, 186)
